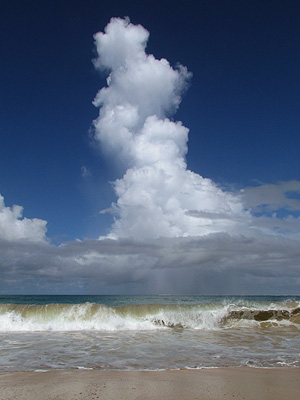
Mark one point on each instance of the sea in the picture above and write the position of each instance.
(41, 333)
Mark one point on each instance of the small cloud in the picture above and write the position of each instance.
(272, 197)
(85, 171)
(110, 210)
(14, 227)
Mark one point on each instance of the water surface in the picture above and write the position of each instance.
(148, 332)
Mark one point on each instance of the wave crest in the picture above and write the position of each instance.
(91, 316)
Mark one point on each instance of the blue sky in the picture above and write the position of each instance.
(241, 109)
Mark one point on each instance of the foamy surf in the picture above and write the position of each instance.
(147, 332)
(143, 317)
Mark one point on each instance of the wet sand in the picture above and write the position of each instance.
(206, 384)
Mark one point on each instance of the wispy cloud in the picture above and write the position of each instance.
(272, 197)
(85, 171)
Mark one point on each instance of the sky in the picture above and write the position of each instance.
(149, 148)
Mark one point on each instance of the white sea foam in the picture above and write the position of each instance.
(145, 317)
(147, 333)
(99, 317)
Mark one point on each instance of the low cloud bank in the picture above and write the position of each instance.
(213, 264)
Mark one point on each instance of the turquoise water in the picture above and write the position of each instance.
(148, 332)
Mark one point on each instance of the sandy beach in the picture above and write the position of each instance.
(206, 384)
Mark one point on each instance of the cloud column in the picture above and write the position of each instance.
(157, 196)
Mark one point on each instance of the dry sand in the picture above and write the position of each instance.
(206, 384)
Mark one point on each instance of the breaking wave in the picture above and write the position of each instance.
(92, 316)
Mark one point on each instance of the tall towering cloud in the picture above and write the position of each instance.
(157, 196)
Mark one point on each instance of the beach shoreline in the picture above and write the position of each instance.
(242, 383)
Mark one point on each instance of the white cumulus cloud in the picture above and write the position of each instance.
(14, 227)
(157, 196)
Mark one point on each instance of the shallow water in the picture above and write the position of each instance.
(147, 332)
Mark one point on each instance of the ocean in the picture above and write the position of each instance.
(41, 333)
